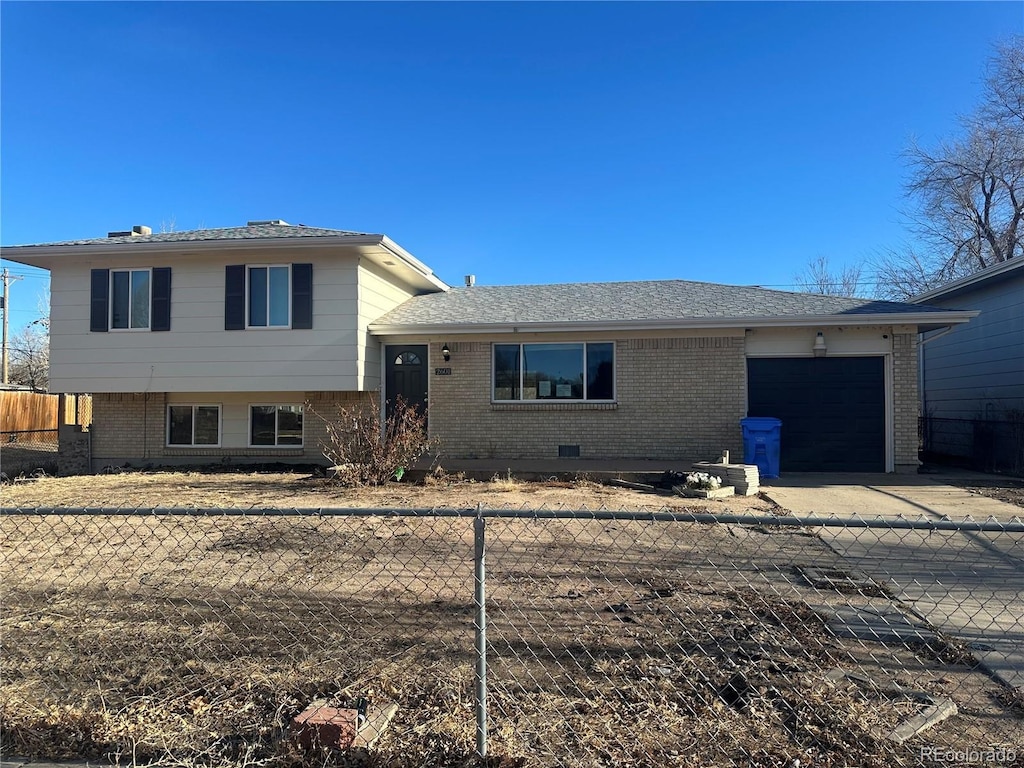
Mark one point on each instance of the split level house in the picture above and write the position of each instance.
(227, 345)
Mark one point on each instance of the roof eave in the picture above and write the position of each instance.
(413, 263)
(971, 281)
(29, 254)
(924, 321)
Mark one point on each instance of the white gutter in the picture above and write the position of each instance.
(938, 319)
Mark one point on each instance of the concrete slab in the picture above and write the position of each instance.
(969, 586)
(880, 622)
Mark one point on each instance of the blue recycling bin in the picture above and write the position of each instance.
(762, 441)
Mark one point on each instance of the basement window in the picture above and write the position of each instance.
(193, 425)
(275, 426)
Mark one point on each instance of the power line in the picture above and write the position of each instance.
(29, 276)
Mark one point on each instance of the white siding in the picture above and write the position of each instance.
(799, 342)
(977, 370)
(378, 294)
(197, 354)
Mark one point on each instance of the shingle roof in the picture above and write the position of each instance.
(623, 302)
(251, 232)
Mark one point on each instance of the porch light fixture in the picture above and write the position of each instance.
(819, 347)
(446, 353)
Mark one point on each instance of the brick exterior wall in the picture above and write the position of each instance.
(132, 428)
(123, 424)
(677, 398)
(905, 401)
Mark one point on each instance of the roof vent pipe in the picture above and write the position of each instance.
(470, 281)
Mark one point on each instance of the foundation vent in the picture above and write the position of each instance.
(568, 451)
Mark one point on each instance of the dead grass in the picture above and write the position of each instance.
(288, 490)
(195, 640)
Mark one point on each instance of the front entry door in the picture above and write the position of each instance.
(406, 375)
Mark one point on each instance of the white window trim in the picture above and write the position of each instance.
(275, 446)
(555, 400)
(110, 300)
(268, 327)
(194, 444)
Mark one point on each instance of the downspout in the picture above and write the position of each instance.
(925, 339)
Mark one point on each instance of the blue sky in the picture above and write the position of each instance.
(522, 142)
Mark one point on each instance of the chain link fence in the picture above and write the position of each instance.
(512, 637)
(27, 452)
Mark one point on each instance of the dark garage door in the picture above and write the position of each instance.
(832, 410)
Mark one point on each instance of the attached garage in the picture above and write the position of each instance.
(832, 410)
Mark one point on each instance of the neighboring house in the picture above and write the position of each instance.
(975, 373)
(213, 345)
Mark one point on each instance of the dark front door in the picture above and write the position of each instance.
(832, 410)
(406, 377)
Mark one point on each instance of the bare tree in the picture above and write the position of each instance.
(1004, 99)
(30, 357)
(968, 192)
(819, 278)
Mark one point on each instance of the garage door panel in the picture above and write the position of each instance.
(832, 410)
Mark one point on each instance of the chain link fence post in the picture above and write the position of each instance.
(480, 625)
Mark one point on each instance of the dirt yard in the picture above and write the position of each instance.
(195, 640)
(287, 490)
(1005, 489)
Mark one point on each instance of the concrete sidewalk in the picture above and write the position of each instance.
(969, 586)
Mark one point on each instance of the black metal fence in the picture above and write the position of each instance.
(29, 452)
(980, 444)
(536, 637)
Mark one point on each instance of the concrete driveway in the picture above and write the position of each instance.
(969, 586)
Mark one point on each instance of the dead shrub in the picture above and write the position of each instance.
(439, 477)
(362, 451)
(506, 483)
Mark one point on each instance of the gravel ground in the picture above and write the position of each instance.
(1004, 489)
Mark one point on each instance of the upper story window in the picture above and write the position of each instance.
(554, 372)
(129, 299)
(268, 296)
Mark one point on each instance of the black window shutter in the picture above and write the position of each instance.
(99, 311)
(302, 295)
(234, 297)
(161, 320)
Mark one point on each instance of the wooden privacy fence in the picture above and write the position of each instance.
(22, 411)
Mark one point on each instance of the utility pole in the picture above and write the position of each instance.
(5, 303)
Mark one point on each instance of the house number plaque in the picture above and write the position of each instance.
(442, 371)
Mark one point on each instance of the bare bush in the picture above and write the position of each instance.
(363, 451)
